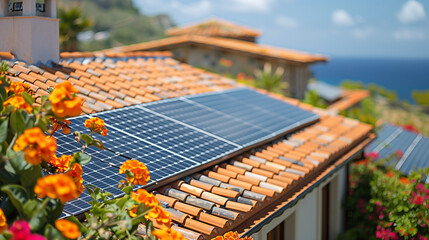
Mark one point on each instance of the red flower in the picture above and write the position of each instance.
(372, 155)
(21, 231)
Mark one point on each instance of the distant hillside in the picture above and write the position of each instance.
(117, 23)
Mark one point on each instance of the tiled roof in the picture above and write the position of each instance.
(115, 80)
(214, 28)
(348, 99)
(220, 199)
(225, 43)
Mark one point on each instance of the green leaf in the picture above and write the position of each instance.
(98, 144)
(3, 130)
(18, 162)
(127, 189)
(3, 93)
(81, 158)
(27, 98)
(52, 233)
(18, 195)
(88, 139)
(29, 207)
(30, 176)
(74, 220)
(17, 121)
(56, 208)
(122, 201)
(38, 221)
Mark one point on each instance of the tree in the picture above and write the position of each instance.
(421, 97)
(71, 24)
(270, 80)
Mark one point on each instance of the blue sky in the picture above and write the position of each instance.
(365, 28)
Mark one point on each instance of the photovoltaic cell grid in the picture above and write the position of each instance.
(173, 136)
(415, 148)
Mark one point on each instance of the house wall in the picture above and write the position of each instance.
(296, 75)
(304, 219)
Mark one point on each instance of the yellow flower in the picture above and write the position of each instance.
(58, 186)
(18, 88)
(167, 234)
(96, 124)
(62, 163)
(161, 216)
(68, 229)
(64, 102)
(3, 223)
(76, 174)
(143, 197)
(139, 171)
(36, 145)
(18, 102)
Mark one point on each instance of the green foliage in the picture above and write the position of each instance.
(375, 89)
(311, 97)
(270, 80)
(121, 20)
(384, 203)
(71, 24)
(421, 97)
(365, 113)
(351, 85)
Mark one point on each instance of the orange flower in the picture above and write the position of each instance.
(161, 216)
(36, 145)
(3, 223)
(133, 211)
(139, 172)
(64, 102)
(404, 180)
(58, 124)
(167, 234)
(390, 174)
(76, 174)
(18, 102)
(62, 163)
(58, 186)
(96, 124)
(231, 236)
(18, 88)
(143, 197)
(68, 229)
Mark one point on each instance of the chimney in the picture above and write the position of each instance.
(30, 30)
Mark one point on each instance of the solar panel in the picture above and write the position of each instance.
(418, 157)
(176, 135)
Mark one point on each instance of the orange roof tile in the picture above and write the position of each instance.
(224, 43)
(349, 99)
(214, 28)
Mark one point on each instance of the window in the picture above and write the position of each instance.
(325, 212)
(278, 233)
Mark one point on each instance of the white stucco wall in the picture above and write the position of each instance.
(30, 38)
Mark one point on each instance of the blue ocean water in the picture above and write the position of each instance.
(401, 75)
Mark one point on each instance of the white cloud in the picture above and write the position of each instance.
(286, 22)
(363, 33)
(411, 11)
(409, 34)
(248, 5)
(342, 18)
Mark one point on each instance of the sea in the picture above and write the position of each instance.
(400, 75)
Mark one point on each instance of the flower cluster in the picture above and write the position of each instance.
(36, 145)
(136, 172)
(420, 196)
(167, 234)
(62, 163)
(75, 173)
(3, 223)
(156, 212)
(67, 228)
(64, 100)
(231, 236)
(372, 155)
(18, 88)
(21, 231)
(58, 124)
(96, 125)
(18, 102)
(58, 186)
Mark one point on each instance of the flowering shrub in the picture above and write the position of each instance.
(231, 236)
(35, 183)
(384, 204)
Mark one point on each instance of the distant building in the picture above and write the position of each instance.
(225, 47)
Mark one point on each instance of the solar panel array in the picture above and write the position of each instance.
(175, 135)
(415, 148)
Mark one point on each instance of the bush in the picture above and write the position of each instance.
(385, 204)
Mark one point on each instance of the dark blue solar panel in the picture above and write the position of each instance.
(382, 136)
(161, 141)
(209, 120)
(418, 158)
(79, 205)
(401, 142)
